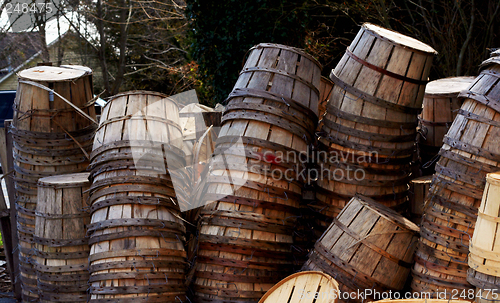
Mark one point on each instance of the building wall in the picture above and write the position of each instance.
(9, 83)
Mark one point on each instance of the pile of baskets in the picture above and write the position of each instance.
(469, 152)
(245, 240)
(136, 233)
(54, 125)
(368, 133)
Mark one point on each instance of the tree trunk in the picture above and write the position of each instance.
(43, 42)
(123, 48)
(102, 49)
(467, 41)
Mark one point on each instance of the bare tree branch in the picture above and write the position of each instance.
(123, 48)
(102, 49)
(467, 40)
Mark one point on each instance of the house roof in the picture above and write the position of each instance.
(16, 49)
(26, 46)
(4, 75)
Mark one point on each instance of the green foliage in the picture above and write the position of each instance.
(223, 31)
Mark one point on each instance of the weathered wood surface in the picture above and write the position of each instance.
(246, 235)
(380, 64)
(302, 287)
(486, 286)
(136, 232)
(286, 71)
(8, 163)
(368, 246)
(419, 188)
(439, 109)
(469, 152)
(6, 220)
(61, 248)
(54, 124)
(325, 91)
(372, 115)
(138, 116)
(37, 109)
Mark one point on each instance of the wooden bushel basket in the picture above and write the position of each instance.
(470, 151)
(61, 246)
(245, 236)
(438, 272)
(135, 117)
(338, 182)
(325, 91)
(439, 109)
(274, 103)
(302, 287)
(379, 87)
(441, 257)
(51, 136)
(367, 246)
(484, 248)
(283, 71)
(271, 116)
(38, 105)
(372, 113)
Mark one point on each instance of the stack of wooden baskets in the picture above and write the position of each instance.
(369, 130)
(368, 246)
(54, 125)
(439, 109)
(245, 237)
(484, 257)
(469, 152)
(136, 233)
(61, 245)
